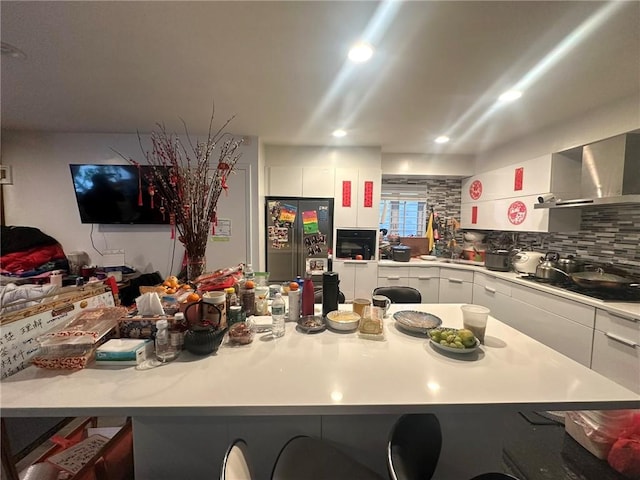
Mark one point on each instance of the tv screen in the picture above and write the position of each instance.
(109, 194)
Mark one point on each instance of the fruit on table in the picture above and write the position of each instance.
(453, 338)
(359, 257)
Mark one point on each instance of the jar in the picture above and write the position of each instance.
(248, 301)
(236, 314)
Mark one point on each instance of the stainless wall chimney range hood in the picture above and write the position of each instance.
(610, 174)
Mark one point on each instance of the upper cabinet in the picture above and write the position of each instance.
(300, 181)
(504, 199)
(357, 197)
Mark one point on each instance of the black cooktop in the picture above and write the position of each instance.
(629, 294)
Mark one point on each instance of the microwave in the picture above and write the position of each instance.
(351, 242)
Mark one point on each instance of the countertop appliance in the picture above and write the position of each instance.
(526, 262)
(401, 253)
(498, 260)
(299, 235)
(356, 243)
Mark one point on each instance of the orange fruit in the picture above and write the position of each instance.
(249, 284)
(186, 286)
(171, 290)
(193, 297)
(293, 286)
(166, 283)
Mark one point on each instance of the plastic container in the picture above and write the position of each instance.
(277, 316)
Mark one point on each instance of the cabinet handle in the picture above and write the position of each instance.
(629, 319)
(624, 341)
(490, 290)
(455, 280)
(393, 278)
(425, 278)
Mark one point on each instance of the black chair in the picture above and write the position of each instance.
(399, 294)
(317, 298)
(310, 458)
(414, 447)
(236, 464)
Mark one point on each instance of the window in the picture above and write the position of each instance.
(404, 217)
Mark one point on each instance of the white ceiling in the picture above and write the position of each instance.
(280, 68)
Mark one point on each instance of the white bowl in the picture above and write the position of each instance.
(343, 320)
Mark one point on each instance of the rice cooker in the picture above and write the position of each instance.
(401, 253)
(526, 262)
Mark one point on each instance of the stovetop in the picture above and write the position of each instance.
(613, 295)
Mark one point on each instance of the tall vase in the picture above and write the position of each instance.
(195, 266)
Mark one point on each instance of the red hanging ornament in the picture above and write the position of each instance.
(173, 179)
(223, 184)
(152, 192)
(214, 223)
(139, 185)
(172, 222)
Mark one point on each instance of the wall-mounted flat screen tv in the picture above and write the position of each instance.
(109, 194)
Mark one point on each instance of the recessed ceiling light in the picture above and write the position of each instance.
(442, 139)
(510, 96)
(339, 133)
(360, 52)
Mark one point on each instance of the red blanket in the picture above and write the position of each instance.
(30, 259)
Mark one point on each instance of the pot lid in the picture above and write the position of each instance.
(401, 247)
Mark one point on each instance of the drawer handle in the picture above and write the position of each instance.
(490, 290)
(624, 341)
(393, 278)
(629, 319)
(455, 280)
(425, 278)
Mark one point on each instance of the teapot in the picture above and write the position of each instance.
(209, 310)
(547, 270)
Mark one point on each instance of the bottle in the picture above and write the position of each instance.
(329, 292)
(248, 300)
(277, 316)
(294, 303)
(176, 332)
(308, 296)
(165, 352)
(249, 274)
(231, 297)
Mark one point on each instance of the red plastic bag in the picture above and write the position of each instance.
(624, 455)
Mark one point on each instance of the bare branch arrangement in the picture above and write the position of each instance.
(189, 178)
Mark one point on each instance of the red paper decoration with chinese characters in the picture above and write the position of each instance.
(475, 189)
(519, 179)
(346, 193)
(517, 212)
(474, 214)
(368, 194)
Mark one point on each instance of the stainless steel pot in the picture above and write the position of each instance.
(547, 270)
(497, 260)
(570, 264)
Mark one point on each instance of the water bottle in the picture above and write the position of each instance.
(249, 274)
(308, 297)
(165, 352)
(329, 292)
(277, 316)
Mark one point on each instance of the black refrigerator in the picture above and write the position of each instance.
(299, 235)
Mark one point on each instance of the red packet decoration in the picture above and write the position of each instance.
(346, 193)
(152, 192)
(368, 194)
(172, 222)
(214, 222)
(519, 179)
(475, 189)
(139, 185)
(517, 212)
(310, 222)
(474, 215)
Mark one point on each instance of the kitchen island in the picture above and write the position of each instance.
(335, 385)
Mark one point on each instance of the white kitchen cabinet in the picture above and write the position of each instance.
(568, 330)
(504, 199)
(427, 281)
(357, 278)
(493, 293)
(393, 276)
(284, 181)
(318, 182)
(357, 197)
(616, 348)
(455, 286)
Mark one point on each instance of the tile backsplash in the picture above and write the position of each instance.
(607, 234)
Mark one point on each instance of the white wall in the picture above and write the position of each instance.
(42, 196)
(618, 117)
(427, 165)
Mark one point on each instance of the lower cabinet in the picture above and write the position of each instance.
(568, 330)
(357, 278)
(456, 286)
(616, 348)
(427, 281)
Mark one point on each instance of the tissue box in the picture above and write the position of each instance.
(124, 351)
(140, 326)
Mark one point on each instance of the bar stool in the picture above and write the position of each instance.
(236, 464)
(414, 447)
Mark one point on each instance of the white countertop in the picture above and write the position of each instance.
(327, 373)
(622, 308)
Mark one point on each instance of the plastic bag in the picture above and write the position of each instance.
(624, 455)
(598, 430)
